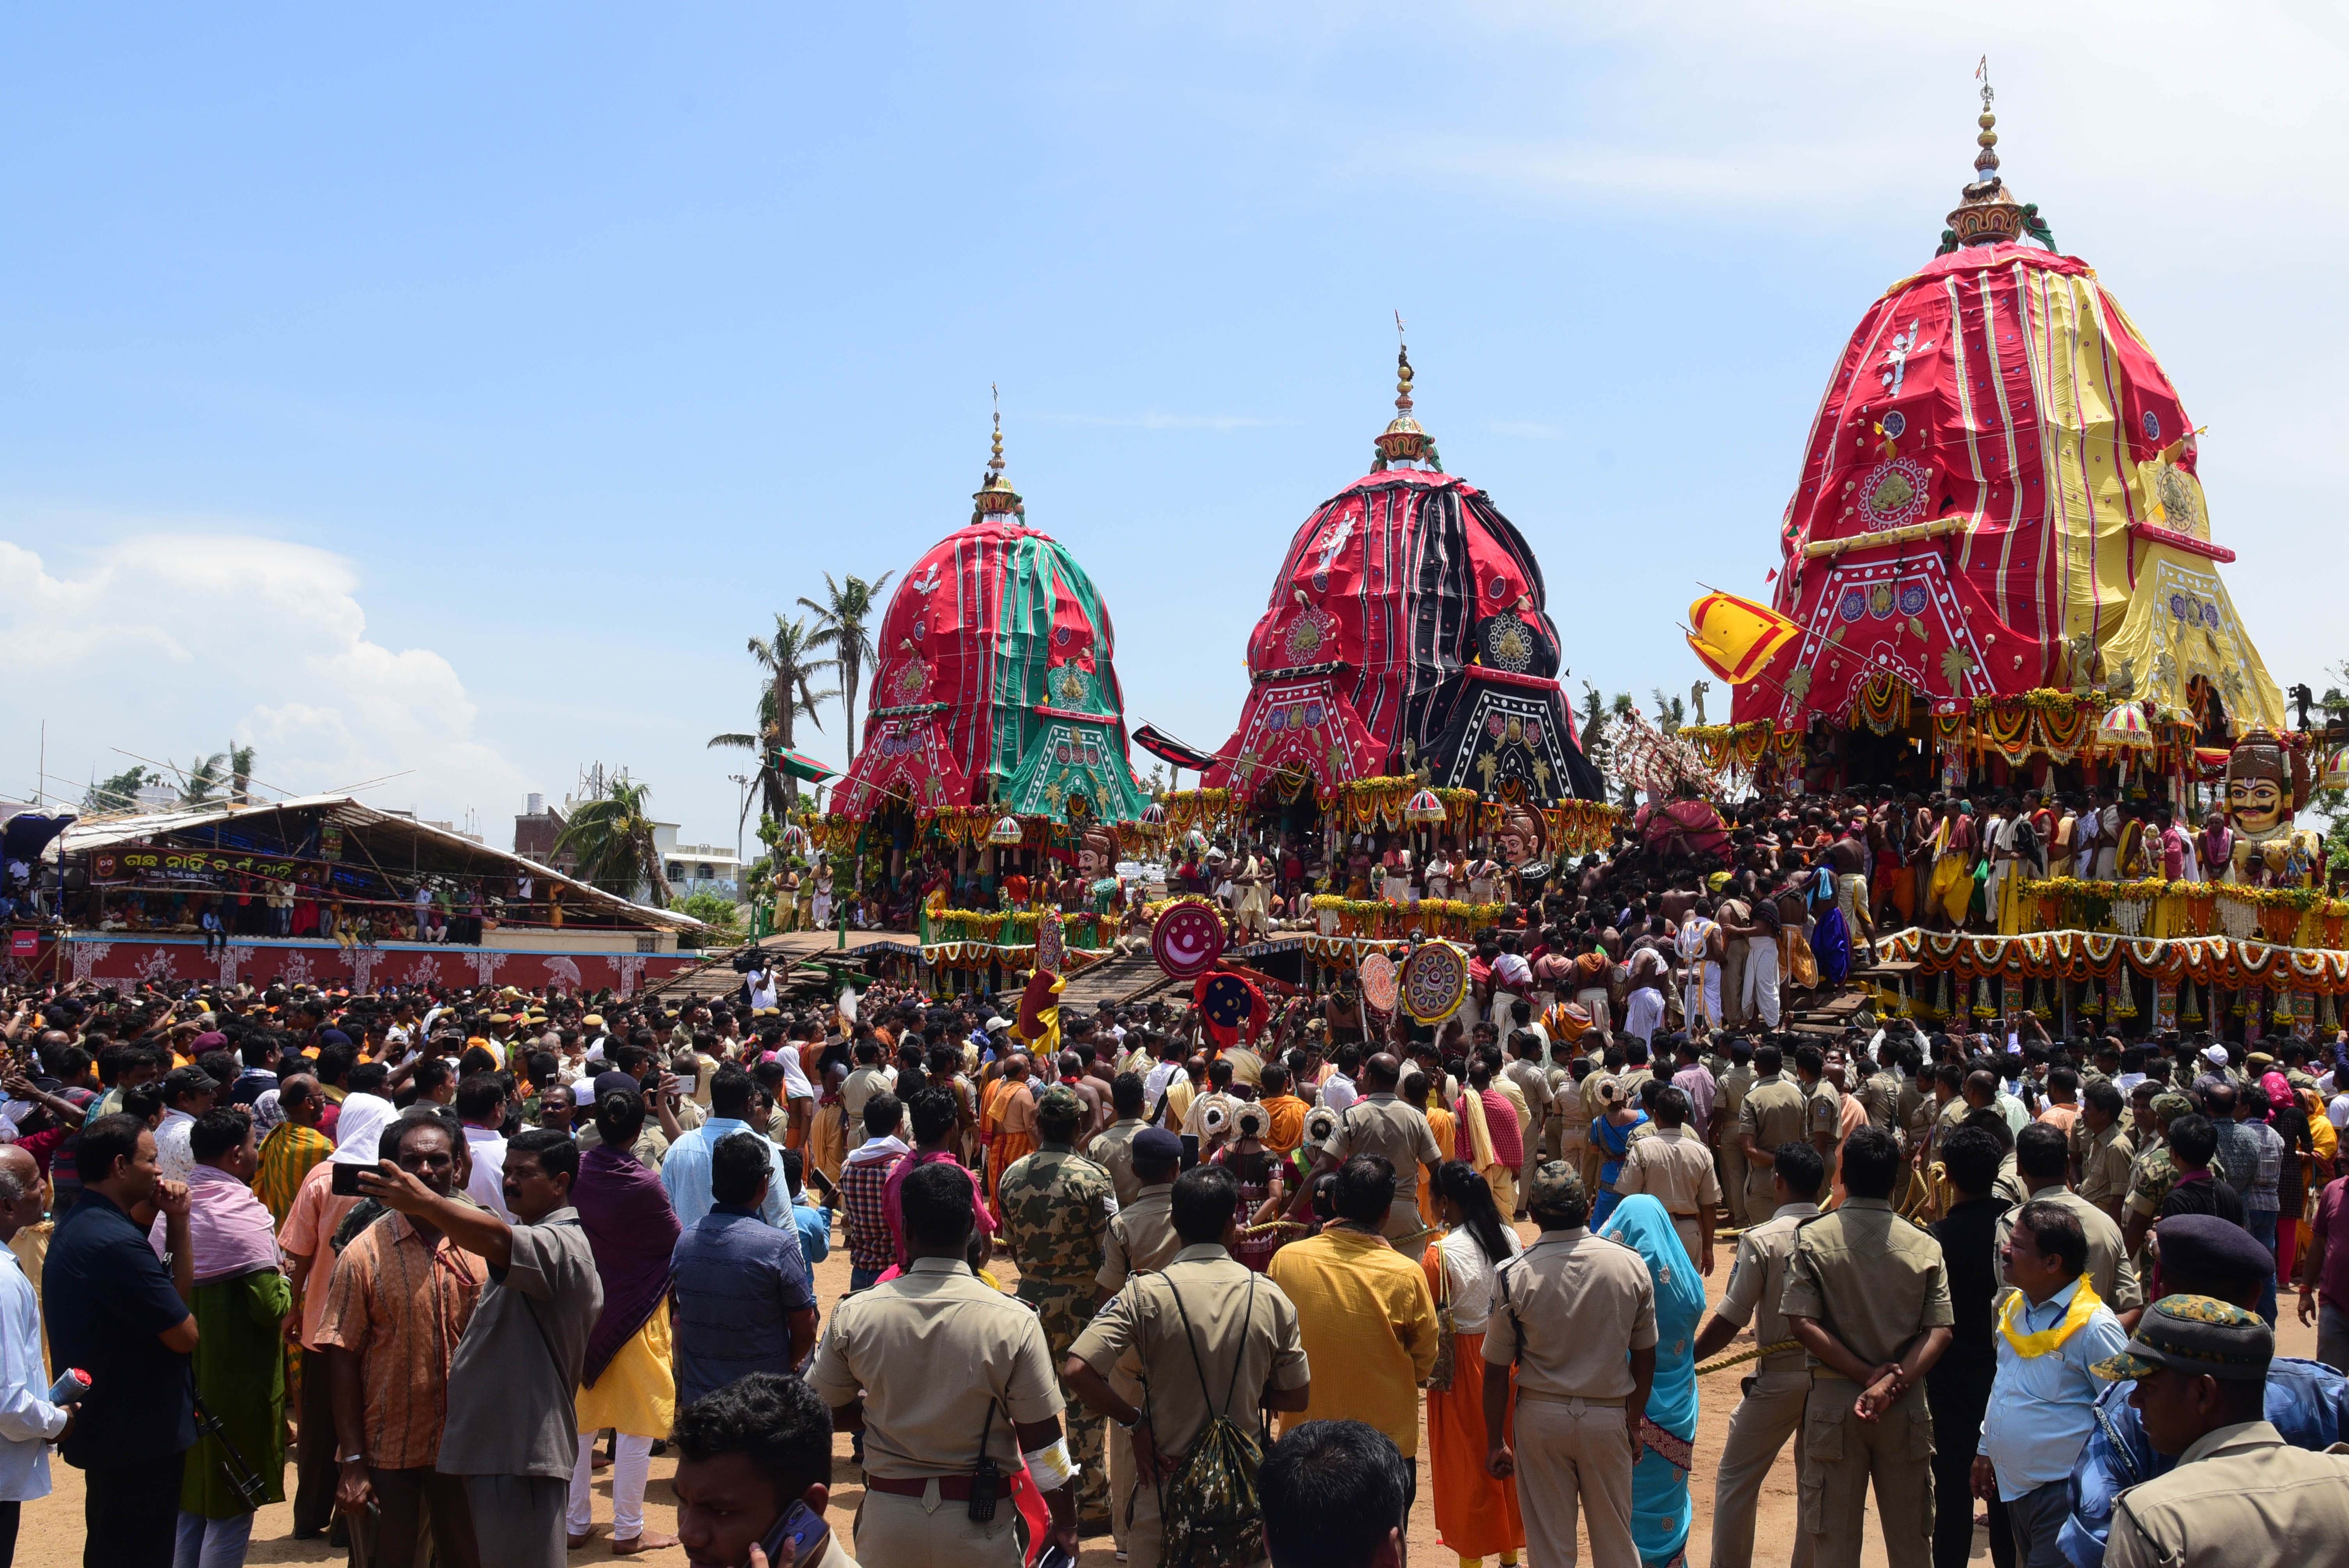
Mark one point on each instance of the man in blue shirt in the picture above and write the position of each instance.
(2043, 1401)
(2307, 1401)
(745, 1298)
(685, 1170)
(814, 1220)
(115, 1311)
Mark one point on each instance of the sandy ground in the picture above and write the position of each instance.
(52, 1531)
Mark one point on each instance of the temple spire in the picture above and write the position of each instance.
(995, 496)
(1987, 213)
(1403, 440)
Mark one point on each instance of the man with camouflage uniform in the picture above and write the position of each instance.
(1057, 1207)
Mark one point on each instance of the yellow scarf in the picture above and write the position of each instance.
(2031, 1347)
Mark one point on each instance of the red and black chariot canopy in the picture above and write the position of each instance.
(1407, 629)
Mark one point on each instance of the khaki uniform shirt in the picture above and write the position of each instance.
(1532, 1084)
(1758, 1278)
(1773, 1112)
(1736, 1082)
(1246, 1344)
(1823, 1111)
(2240, 1494)
(1567, 1310)
(1141, 1237)
(2110, 1273)
(938, 1316)
(1112, 1149)
(1675, 1168)
(1383, 1125)
(2104, 1167)
(859, 1086)
(1880, 1096)
(1869, 1277)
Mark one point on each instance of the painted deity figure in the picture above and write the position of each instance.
(2267, 784)
(1097, 865)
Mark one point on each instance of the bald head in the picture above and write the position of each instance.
(1381, 1072)
(21, 1200)
(299, 1099)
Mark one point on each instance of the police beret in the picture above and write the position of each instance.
(2210, 1250)
(1156, 1146)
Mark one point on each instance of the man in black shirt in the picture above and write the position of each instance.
(2199, 1189)
(115, 1311)
(1957, 1389)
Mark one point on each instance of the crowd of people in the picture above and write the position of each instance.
(425, 1263)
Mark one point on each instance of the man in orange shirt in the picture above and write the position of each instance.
(1284, 1112)
(1011, 1119)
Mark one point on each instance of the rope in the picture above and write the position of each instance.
(1745, 1355)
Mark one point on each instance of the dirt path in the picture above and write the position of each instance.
(52, 1529)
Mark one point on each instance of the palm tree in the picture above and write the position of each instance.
(788, 696)
(612, 837)
(240, 773)
(117, 791)
(199, 783)
(840, 622)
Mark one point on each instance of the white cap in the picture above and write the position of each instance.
(2215, 1054)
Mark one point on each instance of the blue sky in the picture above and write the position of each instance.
(454, 389)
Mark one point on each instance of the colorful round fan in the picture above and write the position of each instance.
(1434, 982)
(1377, 973)
(1227, 1001)
(1187, 940)
(1051, 942)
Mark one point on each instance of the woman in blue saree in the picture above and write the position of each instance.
(1612, 1133)
(1660, 1489)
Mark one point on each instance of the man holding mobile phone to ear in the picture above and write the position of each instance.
(754, 1474)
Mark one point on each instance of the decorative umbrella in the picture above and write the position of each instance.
(1006, 830)
(2336, 771)
(1154, 817)
(1424, 807)
(2124, 729)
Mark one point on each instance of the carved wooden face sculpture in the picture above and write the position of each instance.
(2261, 792)
(1520, 837)
(1096, 853)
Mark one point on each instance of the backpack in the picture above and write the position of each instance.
(1212, 1515)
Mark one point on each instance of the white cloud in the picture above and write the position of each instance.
(170, 643)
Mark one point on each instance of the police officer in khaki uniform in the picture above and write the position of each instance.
(925, 1434)
(1380, 1124)
(1676, 1170)
(1113, 1147)
(2107, 1153)
(1736, 1081)
(1822, 1105)
(1867, 1296)
(1771, 1114)
(1143, 1235)
(1772, 1410)
(2240, 1493)
(1575, 1314)
(1141, 1239)
(1135, 1363)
